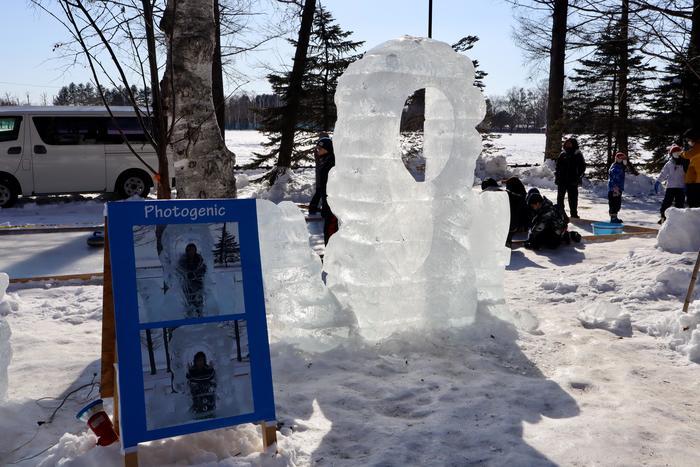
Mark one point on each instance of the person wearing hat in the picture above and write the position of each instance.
(325, 161)
(692, 175)
(568, 175)
(616, 185)
(673, 174)
(549, 223)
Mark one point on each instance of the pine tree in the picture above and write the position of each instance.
(330, 52)
(593, 104)
(227, 250)
(668, 108)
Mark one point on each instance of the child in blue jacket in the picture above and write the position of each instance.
(616, 185)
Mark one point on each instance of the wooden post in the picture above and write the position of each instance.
(691, 286)
(108, 357)
(269, 433)
(131, 458)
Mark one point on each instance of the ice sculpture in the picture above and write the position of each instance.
(299, 306)
(190, 287)
(5, 334)
(412, 253)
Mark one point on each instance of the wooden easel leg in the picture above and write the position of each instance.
(269, 433)
(131, 458)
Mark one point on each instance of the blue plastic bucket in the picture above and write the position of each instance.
(607, 228)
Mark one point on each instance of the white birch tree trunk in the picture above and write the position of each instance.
(203, 164)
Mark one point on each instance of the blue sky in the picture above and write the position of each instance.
(30, 66)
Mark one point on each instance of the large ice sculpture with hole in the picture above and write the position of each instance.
(412, 254)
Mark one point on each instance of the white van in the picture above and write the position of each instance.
(53, 150)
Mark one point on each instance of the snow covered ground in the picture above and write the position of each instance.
(569, 393)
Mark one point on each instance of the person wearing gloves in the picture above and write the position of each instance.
(568, 174)
(673, 174)
(692, 175)
(549, 223)
(616, 185)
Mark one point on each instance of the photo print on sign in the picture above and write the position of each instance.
(196, 372)
(186, 271)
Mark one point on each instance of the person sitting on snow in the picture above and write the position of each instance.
(549, 223)
(192, 270)
(616, 185)
(673, 174)
(201, 380)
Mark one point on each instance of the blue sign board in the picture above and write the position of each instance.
(190, 317)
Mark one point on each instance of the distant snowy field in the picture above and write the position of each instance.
(611, 376)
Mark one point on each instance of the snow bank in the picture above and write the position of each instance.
(607, 316)
(639, 185)
(5, 333)
(681, 231)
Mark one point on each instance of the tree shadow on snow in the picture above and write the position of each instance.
(423, 397)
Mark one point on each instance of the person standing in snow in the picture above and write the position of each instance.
(549, 223)
(314, 204)
(192, 270)
(616, 185)
(692, 175)
(568, 174)
(201, 380)
(673, 174)
(326, 161)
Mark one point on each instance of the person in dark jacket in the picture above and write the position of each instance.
(315, 203)
(192, 270)
(326, 161)
(569, 171)
(549, 223)
(201, 379)
(616, 185)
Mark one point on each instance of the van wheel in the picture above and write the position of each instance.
(8, 193)
(133, 183)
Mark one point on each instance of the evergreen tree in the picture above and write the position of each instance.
(227, 250)
(593, 103)
(330, 52)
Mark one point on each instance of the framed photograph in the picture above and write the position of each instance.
(190, 317)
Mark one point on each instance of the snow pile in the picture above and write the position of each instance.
(607, 316)
(408, 253)
(639, 185)
(293, 185)
(491, 166)
(683, 332)
(5, 334)
(681, 231)
(299, 306)
(541, 176)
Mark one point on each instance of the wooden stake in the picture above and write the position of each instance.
(691, 286)
(131, 458)
(269, 433)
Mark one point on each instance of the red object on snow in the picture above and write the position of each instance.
(102, 426)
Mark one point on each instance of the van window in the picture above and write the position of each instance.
(9, 128)
(129, 126)
(69, 130)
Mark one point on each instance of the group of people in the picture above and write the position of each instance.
(546, 222)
